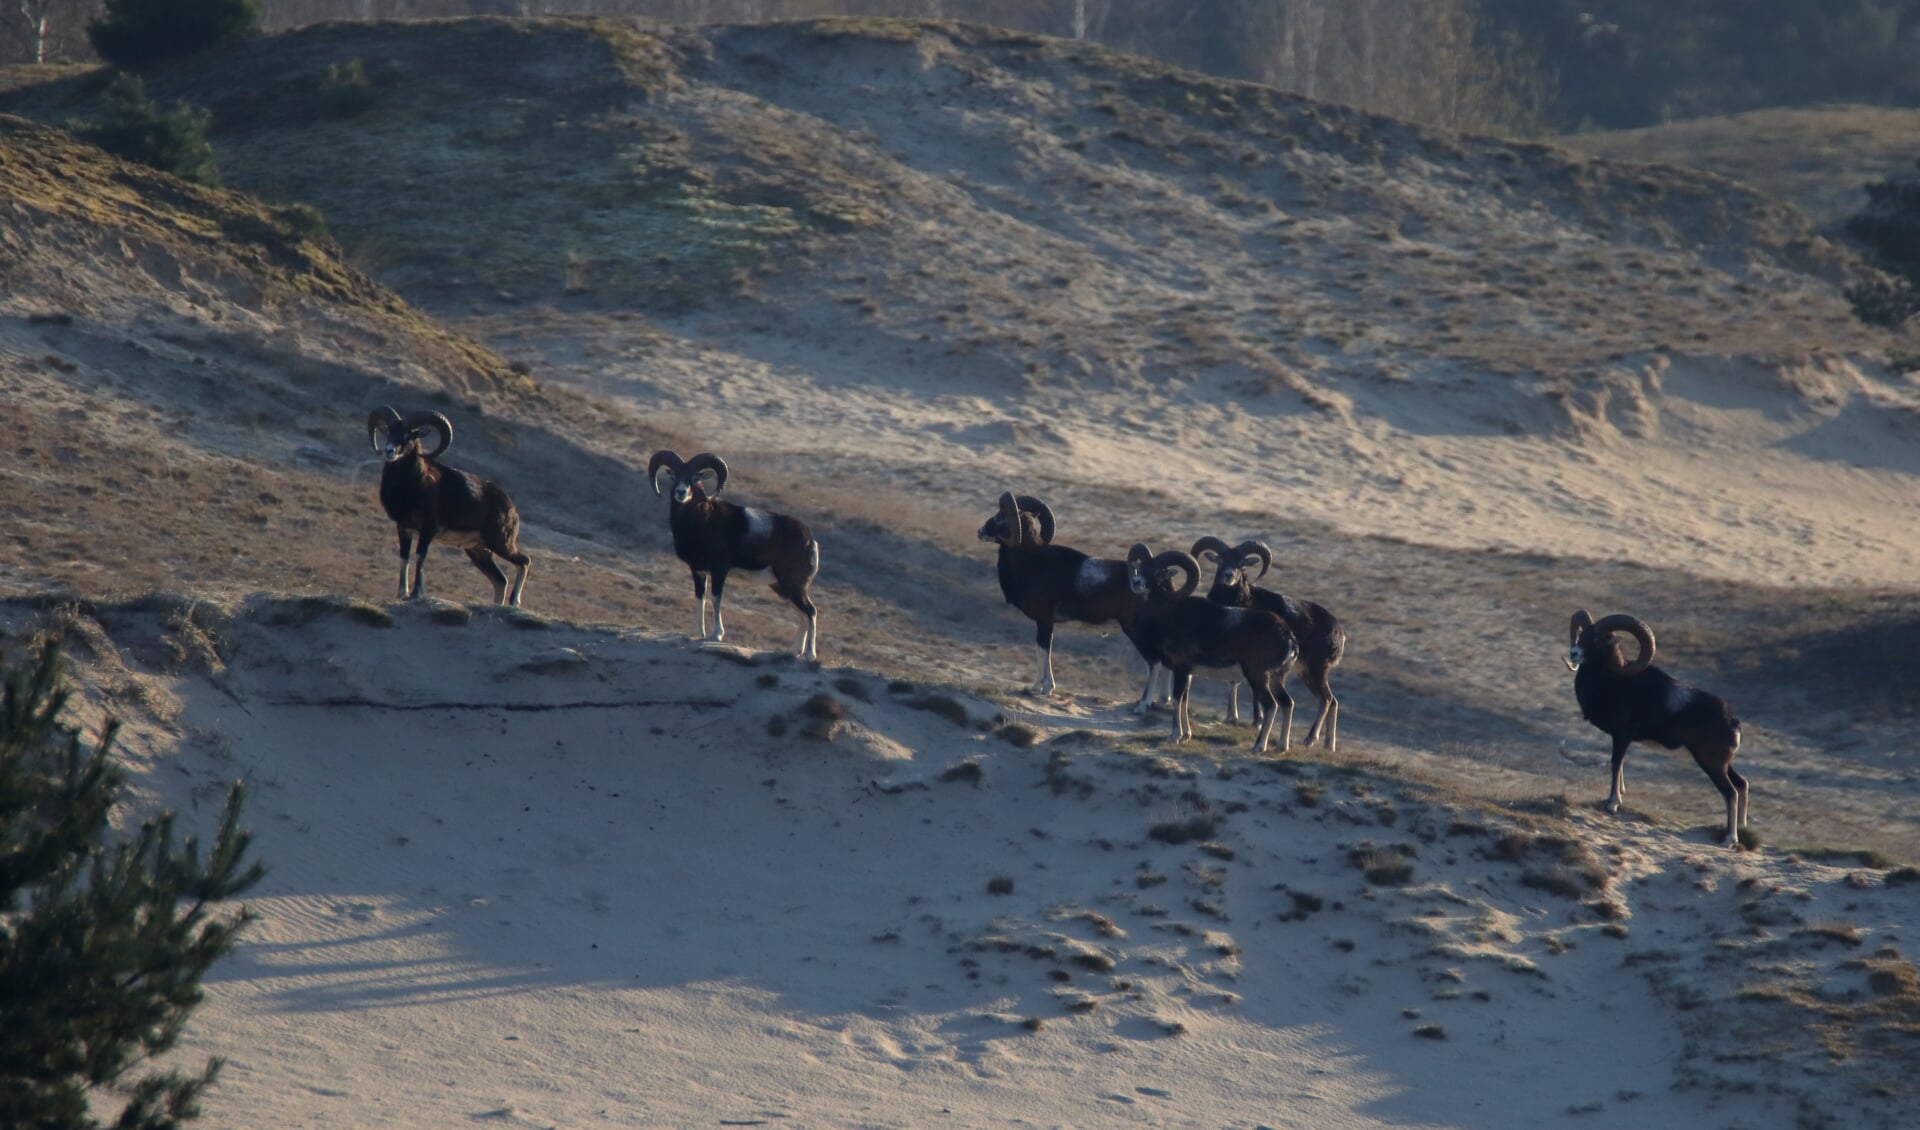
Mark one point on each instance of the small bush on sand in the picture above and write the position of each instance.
(946, 706)
(824, 706)
(1387, 867)
(820, 717)
(1196, 825)
(1018, 735)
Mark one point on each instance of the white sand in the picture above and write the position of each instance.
(561, 877)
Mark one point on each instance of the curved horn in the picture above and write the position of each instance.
(1251, 548)
(1139, 553)
(708, 461)
(1008, 517)
(1210, 544)
(439, 424)
(1040, 512)
(1637, 628)
(662, 458)
(1580, 621)
(379, 420)
(1174, 559)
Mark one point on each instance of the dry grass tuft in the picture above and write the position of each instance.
(1093, 960)
(1844, 933)
(1384, 866)
(1607, 909)
(1305, 904)
(1199, 824)
(1750, 840)
(1556, 864)
(1513, 847)
(945, 706)
(1061, 780)
(820, 717)
(1102, 925)
(307, 609)
(1864, 857)
(853, 688)
(1019, 735)
(823, 706)
(1891, 977)
(446, 612)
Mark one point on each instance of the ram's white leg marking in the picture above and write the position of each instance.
(1266, 731)
(1044, 683)
(809, 637)
(1146, 692)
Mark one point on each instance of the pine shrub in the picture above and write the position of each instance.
(134, 127)
(104, 939)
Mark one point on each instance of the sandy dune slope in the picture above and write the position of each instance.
(564, 876)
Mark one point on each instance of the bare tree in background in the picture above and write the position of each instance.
(1090, 19)
(45, 31)
(1432, 61)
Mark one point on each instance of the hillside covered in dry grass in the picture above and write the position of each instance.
(797, 169)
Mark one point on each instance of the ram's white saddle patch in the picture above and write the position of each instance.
(1094, 573)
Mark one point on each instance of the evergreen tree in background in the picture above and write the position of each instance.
(1889, 228)
(1890, 224)
(131, 32)
(102, 944)
(135, 128)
